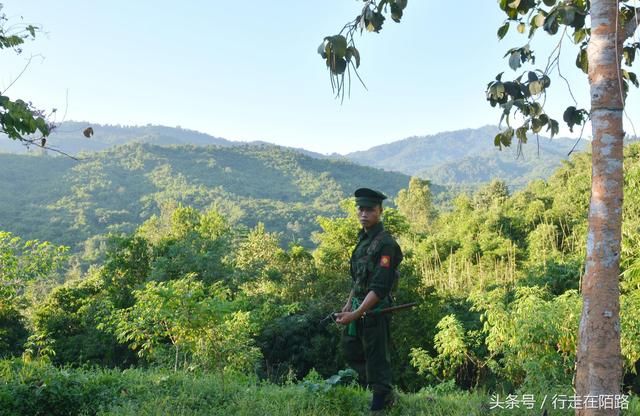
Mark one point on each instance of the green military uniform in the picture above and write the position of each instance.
(374, 265)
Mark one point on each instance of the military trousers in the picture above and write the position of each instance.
(368, 352)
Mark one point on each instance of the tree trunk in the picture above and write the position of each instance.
(599, 360)
(175, 366)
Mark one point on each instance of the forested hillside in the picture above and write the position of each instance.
(476, 170)
(468, 157)
(67, 202)
(69, 137)
(496, 280)
(462, 158)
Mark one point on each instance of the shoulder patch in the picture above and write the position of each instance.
(385, 261)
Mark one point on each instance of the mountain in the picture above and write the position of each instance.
(535, 161)
(67, 202)
(461, 159)
(469, 157)
(68, 137)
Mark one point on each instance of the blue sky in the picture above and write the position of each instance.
(248, 70)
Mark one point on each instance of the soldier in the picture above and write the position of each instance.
(374, 265)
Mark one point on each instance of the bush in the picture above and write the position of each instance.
(36, 388)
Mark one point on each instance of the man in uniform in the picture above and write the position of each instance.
(374, 265)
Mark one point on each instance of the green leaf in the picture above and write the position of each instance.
(536, 87)
(514, 4)
(582, 61)
(349, 372)
(631, 77)
(573, 117)
(10, 41)
(579, 35)
(338, 45)
(567, 15)
(521, 133)
(551, 23)
(507, 136)
(515, 60)
(553, 126)
(511, 88)
(396, 12)
(536, 108)
(538, 20)
(569, 114)
(544, 119)
(536, 125)
(502, 31)
(375, 23)
(338, 66)
(503, 138)
(352, 51)
(522, 105)
(334, 379)
(629, 55)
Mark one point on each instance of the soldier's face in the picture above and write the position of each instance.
(369, 216)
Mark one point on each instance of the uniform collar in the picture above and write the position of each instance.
(373, 231)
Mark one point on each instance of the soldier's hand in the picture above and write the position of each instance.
(345, 318)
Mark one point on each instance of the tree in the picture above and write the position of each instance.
(599, 365)
(416, 203)
(19, 119)
(495, 191)
(65, 326)
(604, 40)
(178, 310)
(340, 53)
(184, 240)
(337, 240)
(23, 264)
(602, 46)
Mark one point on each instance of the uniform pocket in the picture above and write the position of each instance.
(372, 321)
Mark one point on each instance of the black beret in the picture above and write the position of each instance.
(366, 197)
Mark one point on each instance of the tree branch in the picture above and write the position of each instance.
(20, 74)
(39, 143)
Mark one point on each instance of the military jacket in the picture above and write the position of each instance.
(374, 263)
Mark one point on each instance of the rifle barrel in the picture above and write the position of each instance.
(391, 309)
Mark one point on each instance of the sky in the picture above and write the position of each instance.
(249, 70)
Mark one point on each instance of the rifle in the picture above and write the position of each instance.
(390, 309)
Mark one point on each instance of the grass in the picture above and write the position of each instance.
(41, 389)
